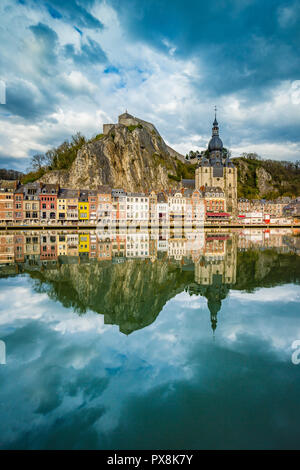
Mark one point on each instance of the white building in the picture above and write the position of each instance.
(137, 208)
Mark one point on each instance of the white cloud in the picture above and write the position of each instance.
(154, 85)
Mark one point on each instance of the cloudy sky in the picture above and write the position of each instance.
(71, 65)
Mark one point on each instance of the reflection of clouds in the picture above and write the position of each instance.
(61, 370)
(63, 347)
(19, 303)
(286, 293)
(191, 301)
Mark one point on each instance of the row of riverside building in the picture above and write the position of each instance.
(39, 203)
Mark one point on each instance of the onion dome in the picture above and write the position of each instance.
(215, 143)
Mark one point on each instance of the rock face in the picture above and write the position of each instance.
(258, 178)
(133, 157)
(264, 181)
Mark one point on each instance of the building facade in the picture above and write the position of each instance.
(217, 170)
(7, 189)
(48, 202)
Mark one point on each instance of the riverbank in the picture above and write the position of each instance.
(146, 227)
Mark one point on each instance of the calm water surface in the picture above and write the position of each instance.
(186, 347)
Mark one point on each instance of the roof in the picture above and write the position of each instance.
(92, 192)
(215, 143)
(137, 195)
(83, 195)
(188, 192)
(104, 189)
(118, 191)
(161, 198)
(68, 193)
(9, 185)
(49, 188)
(188, 183)
(213, 189)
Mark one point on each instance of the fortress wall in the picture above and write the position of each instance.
(107, 128)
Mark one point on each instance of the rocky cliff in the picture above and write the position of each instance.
(132, 157)
(267, 178)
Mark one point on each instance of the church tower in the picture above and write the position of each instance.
(217, 170)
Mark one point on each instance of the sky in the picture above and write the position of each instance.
(72, 65)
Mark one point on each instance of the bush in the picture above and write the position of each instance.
(97, 137)
(174, 177)
(33, 176)
(133, 127)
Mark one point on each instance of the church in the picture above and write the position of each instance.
(215, 169)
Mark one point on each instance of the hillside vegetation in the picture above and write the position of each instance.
(62, 157)
(257, 178)
(57, 158)
(269, 179)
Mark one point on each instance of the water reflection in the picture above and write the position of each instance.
(128, 277)
(72, 381)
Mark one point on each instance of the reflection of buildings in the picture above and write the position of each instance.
(215, 271)
(211, 252)
(128, 277)
(263, 238)
(137, 245)
(6, 248)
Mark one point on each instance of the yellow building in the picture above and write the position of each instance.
(84, 243)
(83, 206)
(61, 212)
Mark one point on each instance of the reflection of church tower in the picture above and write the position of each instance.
(215, 272)
(215, 293)
(214, 307)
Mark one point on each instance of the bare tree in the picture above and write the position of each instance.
(37, 161)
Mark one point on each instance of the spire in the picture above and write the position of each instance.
(215, 123)
(215, 129)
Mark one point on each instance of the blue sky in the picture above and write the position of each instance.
(71, 65)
